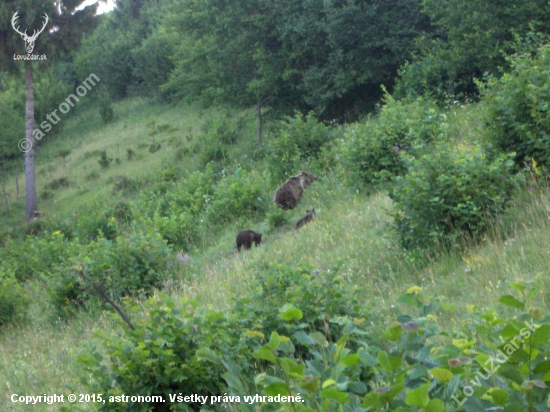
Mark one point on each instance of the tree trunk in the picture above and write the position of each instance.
(4, 177)
(259, 116)
(30, 156)
(17, 182)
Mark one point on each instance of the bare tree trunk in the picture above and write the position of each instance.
(259, 116)
(4, 186)
(17, 182)
(30, 156)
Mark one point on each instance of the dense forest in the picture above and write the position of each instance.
(253, 205)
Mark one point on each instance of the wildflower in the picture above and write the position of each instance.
(57, 232)
(396, 148)
(453, 362)
(530, 189)
(316, 272)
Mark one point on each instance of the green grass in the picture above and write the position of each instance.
(39, 356)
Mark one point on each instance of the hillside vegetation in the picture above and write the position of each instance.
(421, 284)
(346, 264)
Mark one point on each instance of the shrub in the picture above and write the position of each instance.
(35, 257)
(13, 300)
(174, 210)
(218, 135)
(296, 140)
(240, 195)
(161, 357)
(371, 151)
(124, 266)
(94, 223)
(518, 119)
(106, 111)
(449, 190)
(276, 216)
(130, 154)
(58, 183)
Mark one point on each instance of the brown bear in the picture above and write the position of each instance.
(310, 215)
(288, 195)
(246, 237)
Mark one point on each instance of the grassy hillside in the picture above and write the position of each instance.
(352, 229)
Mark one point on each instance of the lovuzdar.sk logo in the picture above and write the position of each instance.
(29, 40)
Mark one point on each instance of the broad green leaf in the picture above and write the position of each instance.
(509, 300)
(443, 375)
(419, 396)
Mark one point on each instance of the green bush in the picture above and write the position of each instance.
(35, 257)
(238, 196)
(371, 151)
(160, 358)
(218, 135)
(302, 334)
(175, 209)
(13, 300)
(296, 140)
(125, 266)
(94, 223)
(519, 117)
(276, 216)
(449, 190)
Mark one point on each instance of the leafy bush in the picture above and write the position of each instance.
(371, 151)
(276, 216)
(106, 110)
(94, 223)
(125, 266)
(518, 119)
(449, 190)
(218, 135)
(160, 358)
(175, 213)
(240, 195)
(296, 140)
(35, 257)
(13, 300)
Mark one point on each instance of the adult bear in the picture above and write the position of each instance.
(288, 195)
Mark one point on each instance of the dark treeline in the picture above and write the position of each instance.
(331, 56)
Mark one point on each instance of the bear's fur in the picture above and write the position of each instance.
(246, 237)
(289, 194)
(310, 215)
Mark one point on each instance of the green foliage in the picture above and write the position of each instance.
(35, 256)
(13, 299)
(276, 216)
(106, 111)
(470, 40)
(159, 358)
(122, 267)
(313, 348)
(371, 152)
(94, 223)
(240, 195)
(218, 134)
(449, 190)
(518, 119)
(296, 140)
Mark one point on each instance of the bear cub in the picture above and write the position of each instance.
(246, 237)
(310, 215)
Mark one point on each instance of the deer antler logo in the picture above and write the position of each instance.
(29, 40)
